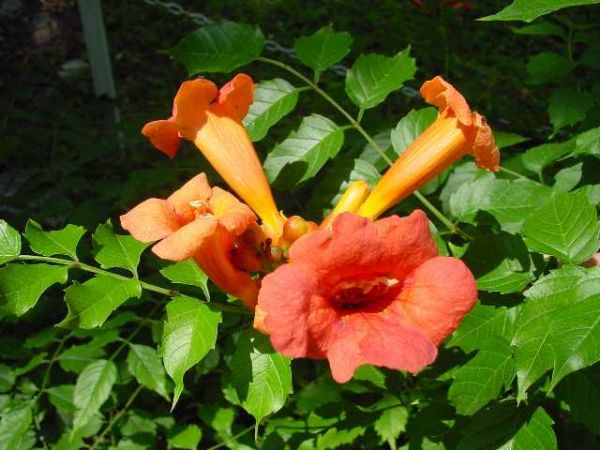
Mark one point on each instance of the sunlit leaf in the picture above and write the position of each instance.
(304, 152)
(410, 127)
(90, 303)
(219, 47)
(262, 377)
(373, 77)
(117, 250)
(323, 48)
(187, 272)
(49, 243)
(273, 100)
(538, 158)
(528, 10)
(187, 438)
(144, 364)
(10, 242)
(22, 285)
(190, 331)
(14, 426)
(92, 389)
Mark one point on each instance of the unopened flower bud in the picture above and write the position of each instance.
(294, 228)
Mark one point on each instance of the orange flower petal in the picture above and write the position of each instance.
(190, 103)
(164, 136)
(150, 221)
(186, 241)
(238, 95)
(437, 295)
(197, 189)
(226, 145)
(487, 154)
(234, 215)
(450, 102)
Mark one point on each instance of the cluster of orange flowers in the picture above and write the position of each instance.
(353, 289)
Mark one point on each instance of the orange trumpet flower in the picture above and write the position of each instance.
(201, 223)
(212, 119)
(456, 132)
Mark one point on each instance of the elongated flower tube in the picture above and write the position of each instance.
(455, 133)
(200, 223)
(212, 119)
(351, 201)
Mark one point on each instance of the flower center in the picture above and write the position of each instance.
(350, 295)
(201, 209)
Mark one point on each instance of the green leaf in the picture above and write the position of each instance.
(10, 242)
(482, 325)
(61, 397)
(550, 298)
(117, 250)
(219, 47)
(504, 426)
(483, 378)
(7, 378)
(392, 421)
(566, 226)
(540, 28)
(581, 392)
(548, 66)
(588, 143)
(49, 243)
(410, 127)
(262, 377)
(373, 77)
(568, 106)
(500, 262)
(190, 331)
(188, 437)
(568, 178)
(144, 364)
(336, 180)
(505, 139)
(76, 358)
(273, 100)
(14, 426)
(538, 158)
(304, 152)
(92, 389)
(187, 272)
(510, 202)
(323, 49)
(528, 10)
(22, 285)
(90, 303)
(138, 424)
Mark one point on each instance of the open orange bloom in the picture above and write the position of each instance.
(365, 292)
(211, 118)
(456, 132)
(201, 223)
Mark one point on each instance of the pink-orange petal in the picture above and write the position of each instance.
(190, 103)
(234, 215)
(150, 221)
(436, 296)
(186, 241)
(487, 154)
(380, 340)
(450, 102)
(195, 190)
(406, 242)
(296, 317)
(163, 135)
(237, 95)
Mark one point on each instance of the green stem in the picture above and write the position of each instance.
(147, 286)
(234, 437)
(356, 124)
(116, 417)
(517, 175)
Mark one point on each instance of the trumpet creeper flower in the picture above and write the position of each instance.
(456, 132)
(212, 119)
(365, 292)
(198, 222)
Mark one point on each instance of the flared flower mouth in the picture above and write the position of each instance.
(456, 132)
(198, 222)
(364, 292)
(211, 118)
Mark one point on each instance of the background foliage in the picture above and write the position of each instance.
(150, 355)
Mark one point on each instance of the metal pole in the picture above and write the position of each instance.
(97, 47)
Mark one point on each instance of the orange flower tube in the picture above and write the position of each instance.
(455, 133)
(351, 201)
(212, 119)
